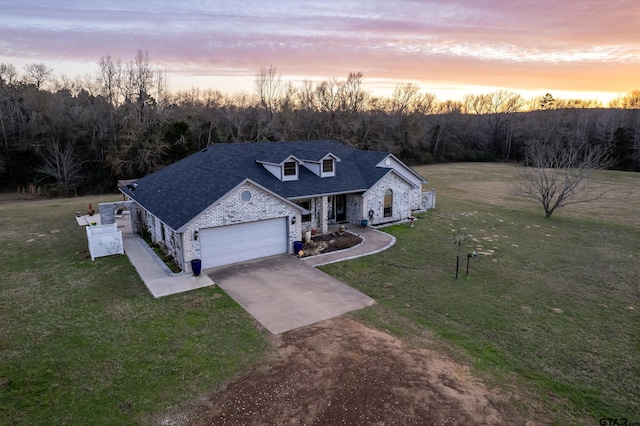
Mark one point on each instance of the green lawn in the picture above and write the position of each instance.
(554, 308)
(84, 342)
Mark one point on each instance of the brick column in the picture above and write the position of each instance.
(324, 225)
(107, 213)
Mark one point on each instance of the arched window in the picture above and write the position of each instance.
(388, 203)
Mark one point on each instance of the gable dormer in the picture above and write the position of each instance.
(328, 167)
(324, 166)
(285, 170)
(289, 170)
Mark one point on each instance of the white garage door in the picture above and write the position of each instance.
(245, 241)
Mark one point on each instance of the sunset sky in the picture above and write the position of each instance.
(570, 48)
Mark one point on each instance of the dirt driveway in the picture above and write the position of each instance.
(342, 372)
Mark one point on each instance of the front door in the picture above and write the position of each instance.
(341, 208)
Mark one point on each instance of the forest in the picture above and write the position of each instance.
(65, 136)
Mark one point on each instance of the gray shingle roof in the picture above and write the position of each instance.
(181, 191)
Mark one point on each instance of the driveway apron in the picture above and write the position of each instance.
(284, 293)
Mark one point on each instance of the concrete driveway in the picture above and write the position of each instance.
(284, 293)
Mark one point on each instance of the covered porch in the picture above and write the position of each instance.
(381, 205)
(331, 210)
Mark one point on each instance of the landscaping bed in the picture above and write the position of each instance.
(327, 243)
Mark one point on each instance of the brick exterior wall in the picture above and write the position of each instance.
(108, 210)
(373, 199)
(263, 205)
(427, 200)
(355, 213)
(319, 212)
(232, 210)
(407, 200)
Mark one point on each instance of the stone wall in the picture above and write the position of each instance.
(232, 210)
(108, 210)
(428, 200)
(318, 211)
(355, 212)
(373, 200)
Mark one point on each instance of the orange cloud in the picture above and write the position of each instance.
(569, 45)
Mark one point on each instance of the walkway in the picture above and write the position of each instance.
(155, 274)
(162, 282)
(373, 241)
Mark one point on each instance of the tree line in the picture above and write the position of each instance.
(79, 135)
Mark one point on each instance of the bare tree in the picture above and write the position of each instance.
(426, 104)
(60, 163)
(353, 96)
(558, 174)
(143, 74)
(110, 79)
(237, 121)
(498, 102)
(136, 154)
(37, 74)
(8, 74)
(269, 88)
(138, 81)
(64, 82)
(162, 88)
(328, 95)
(404, 97)
(307, 96)
(494, 109)
(577, 103)
(632, 100)
(270, 91)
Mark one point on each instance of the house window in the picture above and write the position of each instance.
(388, 203)
(327, 166)
(328, 169)
(306, 204)
(290, 170)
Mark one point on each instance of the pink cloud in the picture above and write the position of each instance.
(568, 45)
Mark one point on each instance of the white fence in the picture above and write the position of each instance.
(104, 240)
(429, 200)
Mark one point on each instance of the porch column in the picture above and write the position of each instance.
(324, 209)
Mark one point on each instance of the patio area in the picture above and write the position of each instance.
(123, 221)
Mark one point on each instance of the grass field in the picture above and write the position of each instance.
(84, 342)
(552, 305)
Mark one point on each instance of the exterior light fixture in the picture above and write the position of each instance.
(293, 220)
(195, 235)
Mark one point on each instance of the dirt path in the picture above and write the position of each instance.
(342, 372)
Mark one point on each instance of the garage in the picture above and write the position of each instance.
(229, 244)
